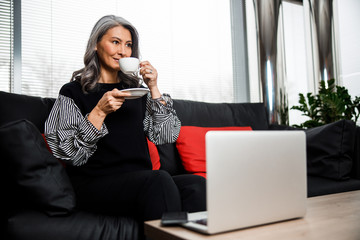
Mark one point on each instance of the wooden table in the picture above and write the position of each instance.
(328, 217)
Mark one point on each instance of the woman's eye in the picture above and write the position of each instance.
(129, 45)
(115, 42)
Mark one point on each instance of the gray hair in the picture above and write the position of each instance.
(89, 75)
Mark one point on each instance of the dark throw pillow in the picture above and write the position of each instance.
(330, 149)
(36, 172)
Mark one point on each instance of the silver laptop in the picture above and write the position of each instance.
(253, 178)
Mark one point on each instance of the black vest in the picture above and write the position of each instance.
(124, 148)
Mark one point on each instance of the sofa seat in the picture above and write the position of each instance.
(31, 224)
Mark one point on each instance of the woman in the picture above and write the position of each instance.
(102, 136)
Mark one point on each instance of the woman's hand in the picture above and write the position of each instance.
(110, 102)
(150, 75)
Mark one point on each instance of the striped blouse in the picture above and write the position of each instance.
(73, 138)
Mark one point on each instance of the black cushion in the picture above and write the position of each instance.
(330, 150)
(170, 160)
(38, 174)
(202, 114)
(16, 106)
(77, 226)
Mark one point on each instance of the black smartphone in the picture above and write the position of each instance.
(174, 218)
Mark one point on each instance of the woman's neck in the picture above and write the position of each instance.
(108, 77)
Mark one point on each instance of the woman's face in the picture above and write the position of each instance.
(115, 44)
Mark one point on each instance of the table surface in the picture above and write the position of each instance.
(334, 216)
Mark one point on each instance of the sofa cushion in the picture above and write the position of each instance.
(330, 150)
(17, 106)
(169, 159)
(191, 146)
(202, 114)
(37, 173)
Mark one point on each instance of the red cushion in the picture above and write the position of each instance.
(154, 155)
(191, 146)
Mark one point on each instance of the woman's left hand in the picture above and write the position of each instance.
(149, 74)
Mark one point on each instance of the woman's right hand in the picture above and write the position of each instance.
(110, 102)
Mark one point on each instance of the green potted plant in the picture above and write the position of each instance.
(331, 104)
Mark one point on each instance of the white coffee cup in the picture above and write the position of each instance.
(129, 65)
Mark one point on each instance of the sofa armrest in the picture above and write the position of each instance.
(333, 150)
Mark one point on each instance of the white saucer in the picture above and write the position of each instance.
(136, 92)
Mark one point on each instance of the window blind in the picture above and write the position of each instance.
(6, 51)
(189, 46)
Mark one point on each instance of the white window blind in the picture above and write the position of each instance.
(54, 36)
(6, 53)
(189, 42)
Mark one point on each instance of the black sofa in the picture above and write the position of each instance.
(333, 166)
(333, 150)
